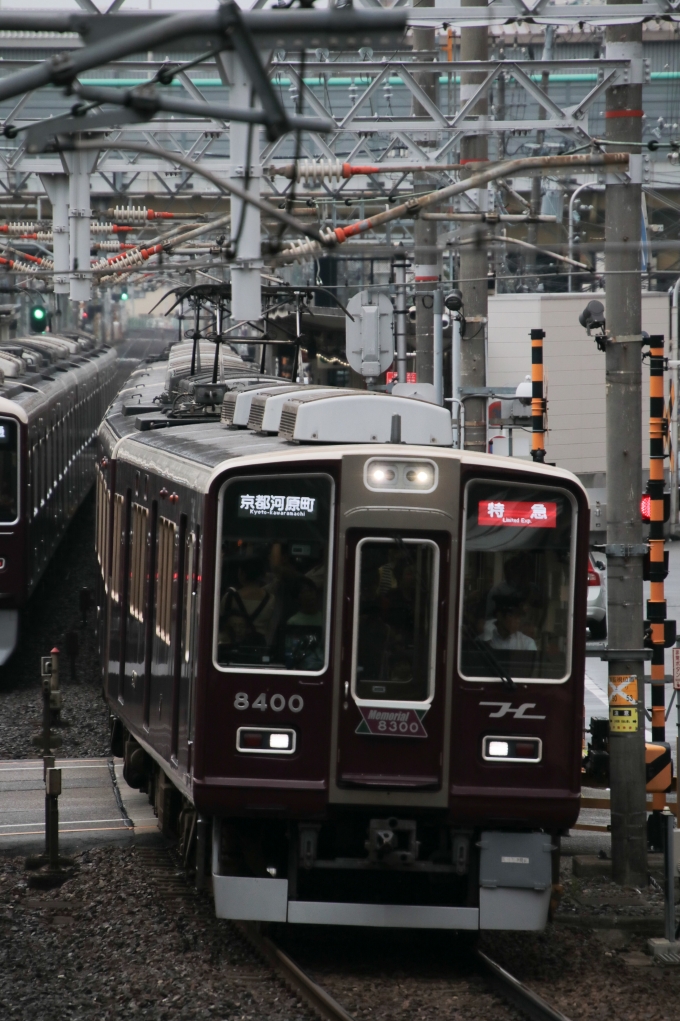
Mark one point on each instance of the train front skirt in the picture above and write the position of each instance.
(514, 893)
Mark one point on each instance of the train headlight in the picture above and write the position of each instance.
(265, 740)
(381, 474)
(498, 749)
(512, 749)
(419, 476)
(400, 476)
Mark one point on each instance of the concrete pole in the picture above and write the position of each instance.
(474, 150)
(426, 257)
(532, 233)
(624, 458)
(246, 282)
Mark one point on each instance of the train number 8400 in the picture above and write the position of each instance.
(276, 702)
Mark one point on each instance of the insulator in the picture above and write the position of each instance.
(132, 258)
(311, 171)
(300, 251)
(137, 214)
(113, 246)
(18, 267)
(14, 229)
(109, 228)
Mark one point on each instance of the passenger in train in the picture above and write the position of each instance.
(503, 631)
(309, 611)
(248, 612)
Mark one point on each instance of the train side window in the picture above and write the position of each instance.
(116, 560)
(166, 566)
(189, 593)
(273, 598)
(395, 621)
(99, 513)
(517, 582)
(9, 470)
(140, 516)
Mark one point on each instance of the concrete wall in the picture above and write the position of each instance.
(574, 370)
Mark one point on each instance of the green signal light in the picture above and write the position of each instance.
(124, 296)
(38, 313)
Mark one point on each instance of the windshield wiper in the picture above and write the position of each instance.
(488, 654)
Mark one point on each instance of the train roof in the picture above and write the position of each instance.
(61, 365)
(138, 428)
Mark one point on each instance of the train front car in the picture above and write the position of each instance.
(13, 526)
(388, 729)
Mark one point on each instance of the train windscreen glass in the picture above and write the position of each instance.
(394, 620)
(9, 470)
(517, 582)
(275, 560)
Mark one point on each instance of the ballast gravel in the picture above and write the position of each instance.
(126, 938)
(52, 618)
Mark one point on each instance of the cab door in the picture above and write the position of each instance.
(392, 688)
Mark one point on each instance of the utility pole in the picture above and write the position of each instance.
(624, 462)
(426, 258)
(474, 150)
(532, 233)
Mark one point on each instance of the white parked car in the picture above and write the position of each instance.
(596, 614)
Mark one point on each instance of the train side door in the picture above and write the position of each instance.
(391, 712)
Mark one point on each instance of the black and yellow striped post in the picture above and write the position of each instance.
(537, 397)
(656, 604)
(657, 627)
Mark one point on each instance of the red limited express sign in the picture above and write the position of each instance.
(517, 513)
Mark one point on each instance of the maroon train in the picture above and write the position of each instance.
(54, 391)
(345, 660)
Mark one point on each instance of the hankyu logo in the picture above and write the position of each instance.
(267, 505)
(517, 513)
(506, 708)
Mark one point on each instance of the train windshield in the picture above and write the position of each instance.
(9, 470)
(394, 620)
(275, 572)
(517, 582)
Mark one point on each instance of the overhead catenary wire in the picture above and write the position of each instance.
(308, 250)
(196, 168)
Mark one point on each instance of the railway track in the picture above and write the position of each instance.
(504, 985)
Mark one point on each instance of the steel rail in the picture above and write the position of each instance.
(508, 988)
(317, 998)
(505, 985)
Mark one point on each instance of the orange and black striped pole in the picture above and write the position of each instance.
(537, 397)
(656, 604)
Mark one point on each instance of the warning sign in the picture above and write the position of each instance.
(622, 721)
(623, 690)
(623, 698)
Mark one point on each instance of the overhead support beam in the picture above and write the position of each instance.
(148, 101)
(79, 165)
(228, 27)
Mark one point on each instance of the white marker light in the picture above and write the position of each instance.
(422, 476)
(379, 475)
(499, 749)
(279, 741)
